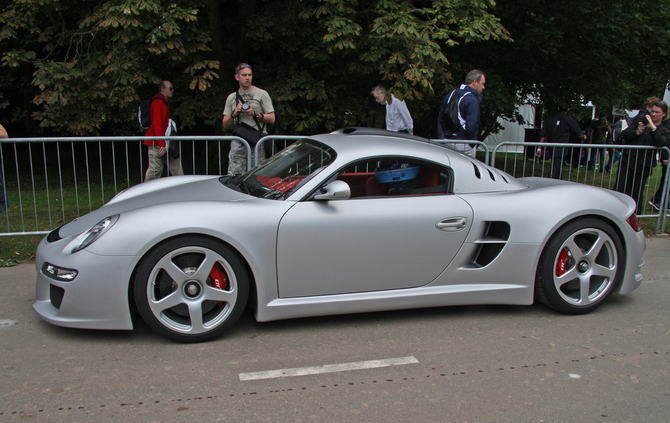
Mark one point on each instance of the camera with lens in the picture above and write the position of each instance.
(245, 107)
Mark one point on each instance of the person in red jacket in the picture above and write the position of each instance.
(156, 149)
(4, 199)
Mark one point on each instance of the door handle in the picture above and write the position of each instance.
(452, 224)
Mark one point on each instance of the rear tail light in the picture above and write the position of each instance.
(634, 223)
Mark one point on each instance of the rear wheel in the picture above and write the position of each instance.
(191, 289)
(580, 267)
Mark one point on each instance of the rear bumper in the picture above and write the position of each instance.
(635, 246)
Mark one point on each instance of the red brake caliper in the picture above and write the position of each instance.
(560, 263)
(219, 279)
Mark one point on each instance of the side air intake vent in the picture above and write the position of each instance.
(492, 242)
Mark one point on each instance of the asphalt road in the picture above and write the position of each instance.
(463, 364)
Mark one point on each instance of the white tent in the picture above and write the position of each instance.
(512, 131)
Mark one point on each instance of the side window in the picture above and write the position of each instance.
(390, 176)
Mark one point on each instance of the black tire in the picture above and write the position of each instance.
(580, 267)
(176, 293)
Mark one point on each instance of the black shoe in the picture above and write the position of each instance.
(655, 205)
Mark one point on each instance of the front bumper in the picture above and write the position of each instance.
(96, 299)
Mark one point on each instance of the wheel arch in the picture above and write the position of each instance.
(252, 300)
(604, 219)
(572, 219)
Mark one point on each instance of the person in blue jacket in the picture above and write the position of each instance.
(469, 95)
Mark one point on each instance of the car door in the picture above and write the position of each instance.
(368, 244)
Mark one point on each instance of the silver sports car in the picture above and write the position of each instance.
(353, 221)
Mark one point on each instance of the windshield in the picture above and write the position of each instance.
(282, 174)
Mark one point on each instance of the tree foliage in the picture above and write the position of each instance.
(610, 53)
(87, 64)
(82, 68)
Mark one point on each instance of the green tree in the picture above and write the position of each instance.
(610, 53)
(82, 68)
(88, 64)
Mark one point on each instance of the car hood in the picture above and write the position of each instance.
(161, 191)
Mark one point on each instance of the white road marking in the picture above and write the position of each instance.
(328, 368)
(6, 323)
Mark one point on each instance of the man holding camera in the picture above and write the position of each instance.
(250, 107)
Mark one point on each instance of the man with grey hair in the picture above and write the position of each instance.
(398, 118)
(469, 95)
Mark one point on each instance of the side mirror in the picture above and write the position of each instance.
(336, 190)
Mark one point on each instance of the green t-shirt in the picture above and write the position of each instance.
(258, 99)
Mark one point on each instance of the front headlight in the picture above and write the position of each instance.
(95, 232)
(59, 273)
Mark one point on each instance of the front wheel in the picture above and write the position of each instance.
(191, 289)
(580, 267)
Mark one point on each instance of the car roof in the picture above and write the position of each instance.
(471, 175)
(362, 142)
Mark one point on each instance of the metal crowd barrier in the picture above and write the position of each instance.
(50, 181)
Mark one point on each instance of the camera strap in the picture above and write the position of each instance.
(241, 100)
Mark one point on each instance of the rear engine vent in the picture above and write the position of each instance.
(477, 173)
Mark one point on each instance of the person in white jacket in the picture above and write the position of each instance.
(398, 118)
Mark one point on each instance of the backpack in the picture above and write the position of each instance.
(450, 117)
(427, 126)
(144, 113)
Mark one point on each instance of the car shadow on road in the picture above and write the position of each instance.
(247, 326)
(392, 317)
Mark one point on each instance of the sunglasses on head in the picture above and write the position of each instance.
(240, 67)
